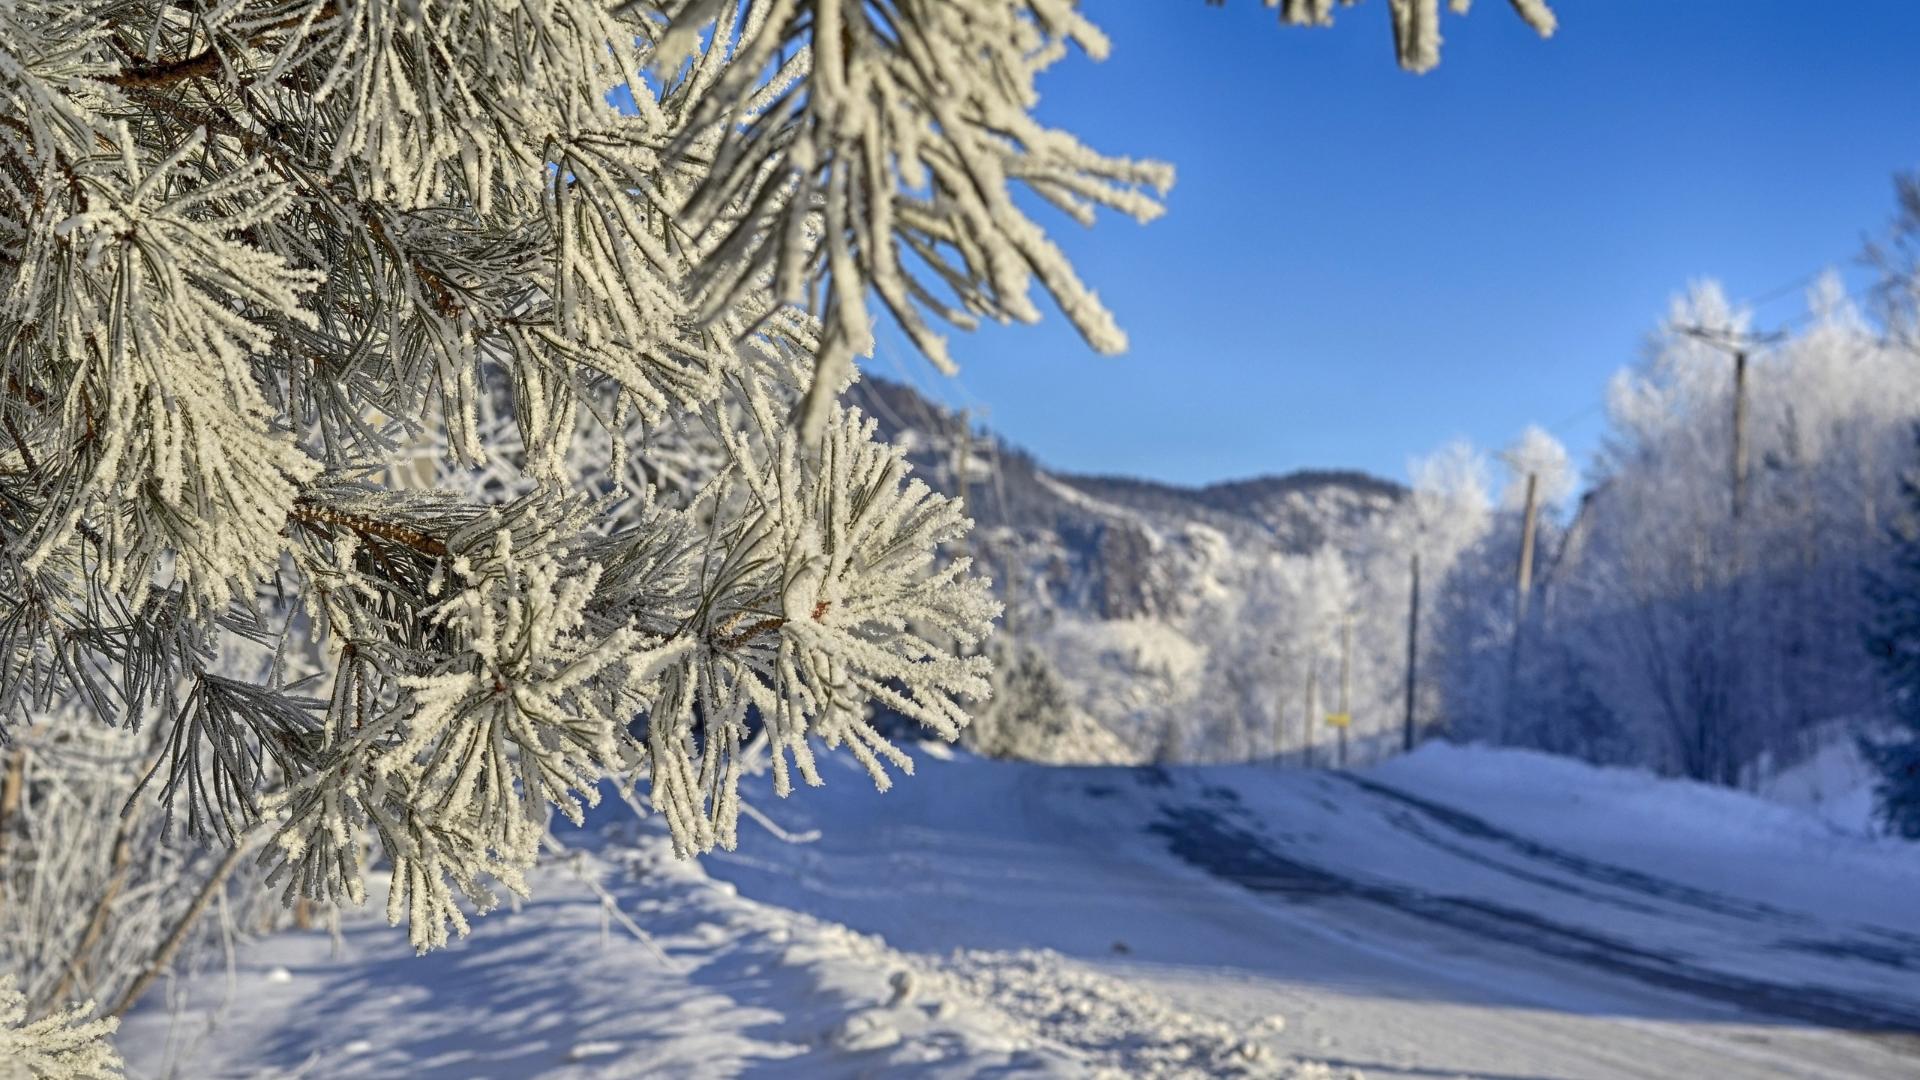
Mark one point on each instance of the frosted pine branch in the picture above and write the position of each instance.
(64, 1046)
(493, 423)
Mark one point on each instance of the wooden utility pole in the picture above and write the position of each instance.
(1523, 578)
(962, 451)
(1739, 432)
(1346, 685)
(1313, 708)
(1522, 595)
(1739, 346)
(1413, 649)
(1279, 729)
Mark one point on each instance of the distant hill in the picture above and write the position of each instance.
(1301, 510)
(1095, 545)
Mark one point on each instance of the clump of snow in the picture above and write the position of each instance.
(1834, 784)
(869, 1029)
(587, 1051)
(1115, 1025)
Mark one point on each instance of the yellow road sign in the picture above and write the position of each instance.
(1338, 719)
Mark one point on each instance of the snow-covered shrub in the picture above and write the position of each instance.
(1032, 715)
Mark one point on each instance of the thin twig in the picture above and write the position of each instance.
(779, 833)
(214, 883)
(612, 907)
(12, 785)
(102, 911)
(310, 514)
(166, 73)
(207, 61)
(19, 441)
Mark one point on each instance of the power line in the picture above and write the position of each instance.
(1788, 288)
(1559, 426)
(1859, 292)
(969, 401)
(1801, 282)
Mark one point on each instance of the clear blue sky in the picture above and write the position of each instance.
(1359, 264)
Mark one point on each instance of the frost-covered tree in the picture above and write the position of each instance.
(1536, 454)
(1897, 257)
(1488, 680)
(1032, 715)
(1664, 629)
(1723, 636)
(1320, 591)
(1894, 640)
(259, 252)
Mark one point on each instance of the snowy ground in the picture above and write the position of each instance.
(1455, 913)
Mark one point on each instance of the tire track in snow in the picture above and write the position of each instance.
(1879, 946)
(1604, 873)
(1206, 839)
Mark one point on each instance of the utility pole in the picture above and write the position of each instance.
(1279, 723)
(1413, 648)
(1739, 433)
(1523, 578)
(1313, 707)
(1346, 685)
(1522, 594)
(962, 450)
(1739, 345)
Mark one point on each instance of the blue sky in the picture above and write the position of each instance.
(1359, 264)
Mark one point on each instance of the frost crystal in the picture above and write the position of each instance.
(63, 1046)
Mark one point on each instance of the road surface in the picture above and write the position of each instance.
(1342, 919)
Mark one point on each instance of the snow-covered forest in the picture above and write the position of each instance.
(450, 516)
(1659, 627)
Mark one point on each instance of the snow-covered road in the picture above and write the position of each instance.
(1696, 933)
(1453, 913)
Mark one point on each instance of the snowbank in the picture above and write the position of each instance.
(630, 962)
(1714, 837)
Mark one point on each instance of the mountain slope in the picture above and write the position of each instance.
(1100, 546)
(1134, 590)
(1005, 486)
